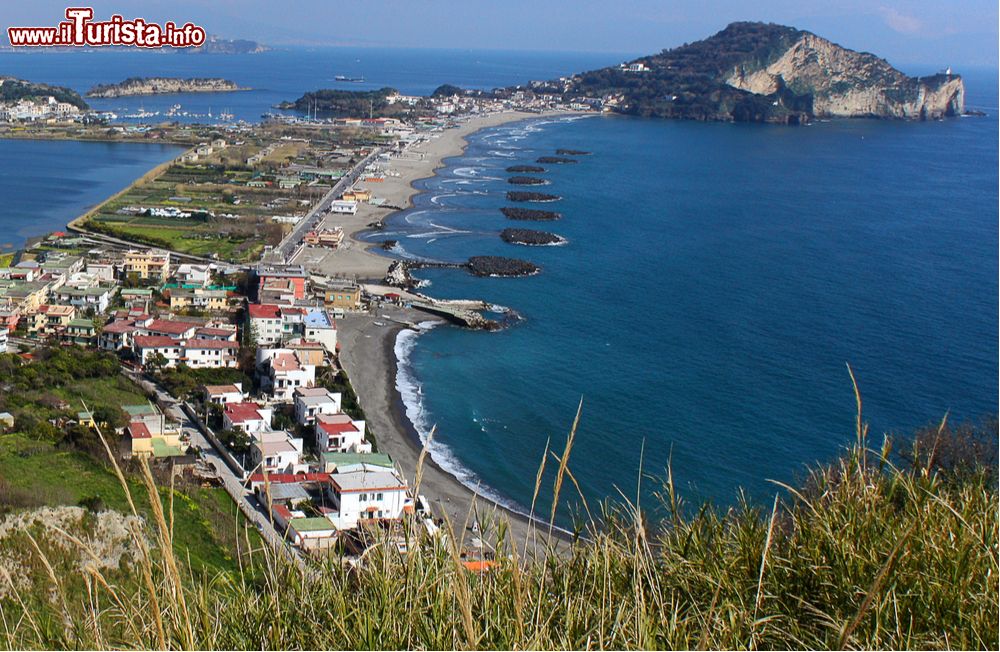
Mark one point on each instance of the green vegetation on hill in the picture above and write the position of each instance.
(339, 103)
(12, 90)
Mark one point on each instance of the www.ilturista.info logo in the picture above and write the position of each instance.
(79, 29)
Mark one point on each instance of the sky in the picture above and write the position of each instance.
(930, 33)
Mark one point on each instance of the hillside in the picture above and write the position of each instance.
(12, 90)
(159, 85)
(760, 72)
(337, 103)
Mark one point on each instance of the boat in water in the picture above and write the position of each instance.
(345, 78)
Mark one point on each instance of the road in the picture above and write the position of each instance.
(285, 248)
(233, 485)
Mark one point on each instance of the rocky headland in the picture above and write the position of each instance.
(762, 72)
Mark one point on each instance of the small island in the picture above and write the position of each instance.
(525, 168)
(521, 195)
(527, 181)
(500, 266)
(162, 85)
(531, 238)
(572, 152)
(556, 160)
(529, 214)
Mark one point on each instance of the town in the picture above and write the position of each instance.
(229, 327)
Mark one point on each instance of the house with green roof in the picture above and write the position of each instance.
(335, 462)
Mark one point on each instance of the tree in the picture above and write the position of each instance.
(156, 362)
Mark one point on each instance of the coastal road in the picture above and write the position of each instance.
(285, 248)
(233, 485)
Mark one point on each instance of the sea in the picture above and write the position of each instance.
(716, 284)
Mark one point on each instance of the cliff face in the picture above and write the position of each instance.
(157, 85)
(759, 72)
(845, 83)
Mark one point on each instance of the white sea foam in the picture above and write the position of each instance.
(412, 393)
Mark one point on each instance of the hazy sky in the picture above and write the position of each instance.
(933, 33)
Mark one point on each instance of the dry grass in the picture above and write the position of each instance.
(863, 555)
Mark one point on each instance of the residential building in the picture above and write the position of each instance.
(95, 297)
(3, 338)
(50, 319)
(367, 495)
(278, 454)
(343, 297)
(194, 352)
(81, 332)
(340, 433)
(294, 274)
(223, 394)
(246, 417)
(282, 372)
(199, 299)
(149, 434)
(311, 401)
(150, 264)
(318, 325)
(190, 274)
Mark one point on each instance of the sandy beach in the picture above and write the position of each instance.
(353, 260)
(368, 349)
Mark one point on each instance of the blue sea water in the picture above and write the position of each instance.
(716, 280)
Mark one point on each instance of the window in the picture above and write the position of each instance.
(378, 496)
(363, 497)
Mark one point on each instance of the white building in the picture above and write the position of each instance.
(344, 207)
(276, 451)
(318, 325)
(3, 339)
(222, 394)
(366, 495)
(283, 371)
(247, 417)
(189, 274)
(313, 401)
(340, 433)
(196, 353)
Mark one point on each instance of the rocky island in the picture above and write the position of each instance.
(500, 266)
(161, 85)
(762, 72)
(528, 214)
(527, 181)
(571, 152)
(555, 160)
(521, 195)
(525, 168)
(530, 237)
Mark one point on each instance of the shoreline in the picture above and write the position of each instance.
(371, 362)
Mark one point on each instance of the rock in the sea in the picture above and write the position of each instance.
(529, 214)
(521, 195)
(527, 181)
(525, 168)
(500, 266)
(530, 237)
(399, 276)
(555, 160)
(389, 244)
(572, 152)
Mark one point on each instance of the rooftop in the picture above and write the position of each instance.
(263, 311)
(366, 481)
(350, 459)
(240, 412)
(315, 524)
